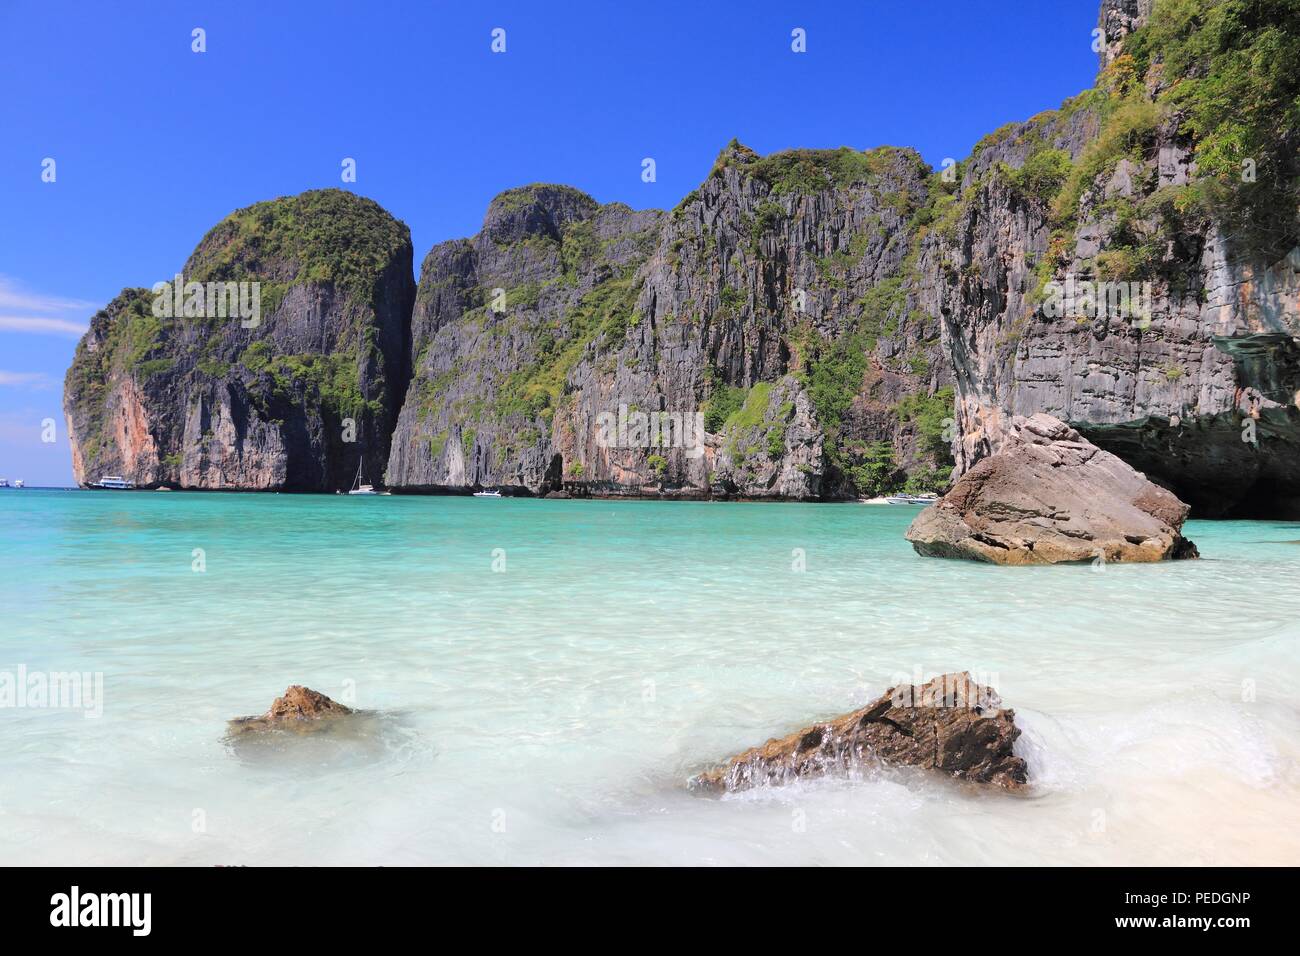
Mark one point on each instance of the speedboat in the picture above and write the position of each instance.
(114, 483)
(487, 494)
(927, 499)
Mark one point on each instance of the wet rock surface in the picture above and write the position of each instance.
(950, 724)
(1050, 496)
(300, 709)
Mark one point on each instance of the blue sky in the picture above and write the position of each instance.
(154, 143)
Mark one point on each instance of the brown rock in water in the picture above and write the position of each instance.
(1048, 497)
(950, 724)
(301, 708)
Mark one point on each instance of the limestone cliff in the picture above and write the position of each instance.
(1149, 182)
(811, 324)
(774, 307)
(288, 383)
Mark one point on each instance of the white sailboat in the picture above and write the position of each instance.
(357, 487)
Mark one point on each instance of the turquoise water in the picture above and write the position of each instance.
(547, 674)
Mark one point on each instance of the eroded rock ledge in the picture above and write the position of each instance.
(1050, 497)
(950, 724)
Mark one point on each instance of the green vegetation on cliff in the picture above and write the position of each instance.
(126, 340)
(1043, 174)
(722, 403)
(521, 197)
(324, 235)
(810, 170)
(929, 415)
(1230, 68)
(270, 371)
(1224, 72)
(332, 381)
(602, 315)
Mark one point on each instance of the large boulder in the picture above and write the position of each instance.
(950, 724)
(1050, 497)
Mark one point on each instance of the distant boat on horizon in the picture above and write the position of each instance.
(4, 482)
(19, 483)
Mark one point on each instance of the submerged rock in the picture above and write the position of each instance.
(950, 724)
(300, 709)
(1049, 497)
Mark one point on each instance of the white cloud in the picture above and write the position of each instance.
(14, 296)
(42, 325)
(54, 315)
(24, 379)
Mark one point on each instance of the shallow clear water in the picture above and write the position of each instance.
(551, 712)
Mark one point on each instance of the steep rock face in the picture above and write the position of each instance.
(500, 323)
(1050, 497)
(809, 324)
(770, 320)
(288, 387)
(1197, 384)
(1118, 19)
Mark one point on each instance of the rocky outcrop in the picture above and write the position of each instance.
(276, 361)
(812, 324)
(767, 326)
(950, 724)
(300, 709)
(500, 323)
(1118, 19)
(1049, 497)
(1089, 268)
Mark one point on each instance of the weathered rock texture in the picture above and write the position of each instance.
(950, 724)
(1118, 19)
(845, 322)
(1200, 390)
(299, 709)
(776, 301)
(1048, 497)
(295, 402)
